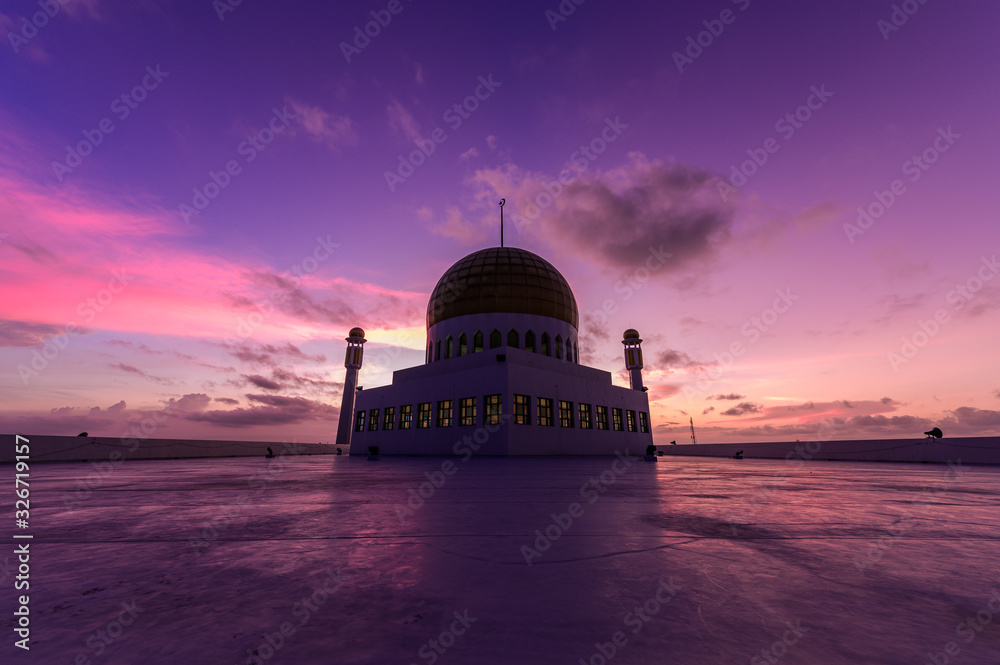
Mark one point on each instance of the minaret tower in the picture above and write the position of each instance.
(352, 361)
(633, 358)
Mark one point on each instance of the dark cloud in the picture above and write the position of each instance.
(22, 333)
(984, 301)
(622, 217)
(261, 382)
(306, 380)
(62, 421)
(35, 252)
(137, 346)
(287, 296)
(594, 335)
(668, 208)
(743, 408)
(274, 410)
(269, 354)
(963, 421)
(896, 304)
(145, 348)
(730, 396)
(227, 400)
(708, 410)
(814, 430)
(189, 402)
(879, 424)
(977, 420)
(135, 370)
(672, 359)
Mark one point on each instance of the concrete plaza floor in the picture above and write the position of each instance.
(337, 560)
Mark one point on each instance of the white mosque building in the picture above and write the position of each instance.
(501, 376)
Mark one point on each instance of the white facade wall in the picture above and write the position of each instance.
(481, 374)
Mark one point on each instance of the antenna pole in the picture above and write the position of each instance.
(502, 201)
(693, 440)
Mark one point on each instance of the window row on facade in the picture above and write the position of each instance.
(546, 413)
(449, 347)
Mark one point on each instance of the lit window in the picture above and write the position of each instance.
(521, 415)
(545, 345)
(644, 422)
(444, 413)
(463, 345)
(545, 412)
(477, 342)
(359, 421)
(512, 339)
(630, 420)
(584, 416)
(616, 416)
(495, 339)
(565, 414)
(467, 411)
(492, 403)
(406, 416)
(423, 415)
(389, 417)
(602, 417)
(559, 347)
(373, 420)
(529, 341)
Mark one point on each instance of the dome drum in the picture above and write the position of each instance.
(529, 330)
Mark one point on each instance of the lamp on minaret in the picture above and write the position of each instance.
(352, 361)
(633, 358)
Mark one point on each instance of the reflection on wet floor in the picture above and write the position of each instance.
(331, 559)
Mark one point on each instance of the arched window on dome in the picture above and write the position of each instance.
(477, 341)
(545, 345)
(559, 347)
(529, 341)
(463, 345)
(512, 339)
(495, 339)
(569, 349)
(449, 347)
(437, 349)
(430, 351)
(576, 352)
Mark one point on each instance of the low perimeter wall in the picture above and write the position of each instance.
(970, 450)
(95, 448)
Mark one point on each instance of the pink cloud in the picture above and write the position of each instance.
(80, 261)
(334, 131)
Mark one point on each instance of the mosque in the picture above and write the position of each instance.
(501, 374)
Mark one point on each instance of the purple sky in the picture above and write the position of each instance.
(169, 170)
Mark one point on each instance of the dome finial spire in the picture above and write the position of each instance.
(502, 201)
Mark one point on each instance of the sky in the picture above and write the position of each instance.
(794, 203)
